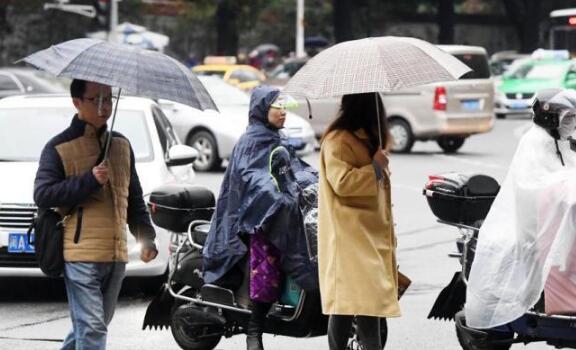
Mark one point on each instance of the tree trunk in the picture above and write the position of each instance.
(526, 17)
(342, 16)
(445, 21)
(227, 27)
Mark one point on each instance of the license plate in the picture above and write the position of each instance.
(518, 105)
(471, 105)
(18, 243)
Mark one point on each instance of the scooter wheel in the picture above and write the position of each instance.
(189, 337)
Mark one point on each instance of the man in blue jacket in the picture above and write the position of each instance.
(98, 198)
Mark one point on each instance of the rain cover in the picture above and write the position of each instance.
(529, 229)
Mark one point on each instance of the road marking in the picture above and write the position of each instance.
(471, 162)
(425, 246)
(418, 230)
(407, 187)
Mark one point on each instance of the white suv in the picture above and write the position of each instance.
(446, 112)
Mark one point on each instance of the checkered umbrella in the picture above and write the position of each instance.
(141, 72)
(374, 65)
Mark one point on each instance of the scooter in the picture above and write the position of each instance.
(463, 201)
(200, 314)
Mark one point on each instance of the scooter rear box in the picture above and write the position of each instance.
(173, 207)
(459, 197)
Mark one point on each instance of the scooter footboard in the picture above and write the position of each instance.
(554, 329)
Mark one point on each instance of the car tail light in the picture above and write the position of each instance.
(440, 99)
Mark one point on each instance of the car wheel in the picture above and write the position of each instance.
(205, 143)
(500, 116)
(402, 136)
(450, 144)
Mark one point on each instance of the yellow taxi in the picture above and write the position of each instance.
(242, 76)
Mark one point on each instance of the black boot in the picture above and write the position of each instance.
(256, 325)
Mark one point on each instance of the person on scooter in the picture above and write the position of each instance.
(356, 240)
(529, 229)
(258, 213)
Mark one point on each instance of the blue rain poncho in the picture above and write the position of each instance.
(252, 199)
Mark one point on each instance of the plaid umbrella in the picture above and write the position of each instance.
(141, 72)
(374, 65)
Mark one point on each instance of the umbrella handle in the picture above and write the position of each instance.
(109, 136)
(309, 108)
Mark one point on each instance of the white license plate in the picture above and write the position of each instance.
(471, 105)
(518, 105)
(18, 243)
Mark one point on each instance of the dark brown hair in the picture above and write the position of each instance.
(359, 111)
(78, 88)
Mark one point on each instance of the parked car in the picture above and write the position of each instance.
(214, 134)
(516, 89)
(501, 61)
(28, 122)
(242, 76)
(447, 112)
(18, 81)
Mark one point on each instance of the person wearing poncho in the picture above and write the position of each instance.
(530, 228)
(258, 210)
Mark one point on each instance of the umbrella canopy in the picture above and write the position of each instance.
(141, 72)
(374, 65)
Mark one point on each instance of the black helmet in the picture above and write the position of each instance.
(549, 106)
(547, 114)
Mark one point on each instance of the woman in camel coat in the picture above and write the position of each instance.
(356, 241)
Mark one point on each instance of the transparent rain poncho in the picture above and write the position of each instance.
(531, 227)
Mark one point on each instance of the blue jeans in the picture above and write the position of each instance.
(92, 290)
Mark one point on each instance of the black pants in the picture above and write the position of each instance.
(340, 326)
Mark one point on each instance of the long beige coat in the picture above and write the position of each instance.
(356, 241)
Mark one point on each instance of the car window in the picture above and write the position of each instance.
(35, 84)
(244, 75)
(539, 71)
(478, 64)
(7, 83)
(164, 128)
(211, 73)
(20, 142)
(132, 124)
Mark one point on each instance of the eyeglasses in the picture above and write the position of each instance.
(105, 100)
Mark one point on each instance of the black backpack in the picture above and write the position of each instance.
(48, 241)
